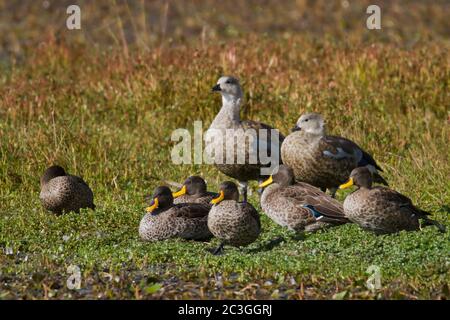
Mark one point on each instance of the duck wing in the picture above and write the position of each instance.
(388, 195)
(317, 202)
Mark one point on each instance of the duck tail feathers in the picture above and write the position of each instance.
(429, 222)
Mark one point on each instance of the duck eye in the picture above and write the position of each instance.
(228, 81)
(306, 120)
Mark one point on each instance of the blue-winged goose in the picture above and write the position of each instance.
(248, 167)
(380, 209)
(194, 190)
(299, 206)
(321, 160)
(234, 223)
(165, 220)
(61, 192)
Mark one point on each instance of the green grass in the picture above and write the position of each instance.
(109, 117)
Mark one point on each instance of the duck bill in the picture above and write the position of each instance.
(266, 183)
(346, 185)
(153, 206)
(180, 192)
(219, 198)
(216, 88)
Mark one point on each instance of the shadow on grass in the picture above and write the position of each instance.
(267, 245)
(445, 209)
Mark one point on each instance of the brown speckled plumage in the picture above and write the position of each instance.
(168, 220)
(320, 160)
(234, 223)
(299, 206)
(380, 209)
(61, 192)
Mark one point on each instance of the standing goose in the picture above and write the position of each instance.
(299, 206)
(321, 160)
(165, 220)
(246, 162)
(61, 192)
(234, 223)
(194, 190)
(380, 209)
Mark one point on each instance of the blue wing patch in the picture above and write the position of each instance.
(316, 214)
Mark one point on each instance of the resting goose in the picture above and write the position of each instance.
(321, 160)
(299, 206)
(234, 223)
(194, 190)
(380, 209)
(61, 192)
(165, 220)
(244, 162)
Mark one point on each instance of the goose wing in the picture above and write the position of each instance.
(263, 143)
(344, 148)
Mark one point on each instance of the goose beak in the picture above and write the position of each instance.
(219, 198)
(346, 185)
(153, 206)
(216, 88)
(296, 128)
(180, 192)
(266, 183)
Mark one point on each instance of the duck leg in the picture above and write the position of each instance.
(218, 250)
(243, 185)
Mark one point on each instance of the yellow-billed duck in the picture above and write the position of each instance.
(165, 220)
(380, 209)
(194, 190)
(234, 223)
(299, 206)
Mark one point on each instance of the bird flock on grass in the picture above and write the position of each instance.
(294, 196)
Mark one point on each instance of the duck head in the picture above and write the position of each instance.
(194, 185)
(360, 177)
(162, 199)
(52, 172)
(310, 123)
(284, 177)
(227, 191)
(229, 88)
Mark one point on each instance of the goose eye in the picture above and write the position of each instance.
(306, 120)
